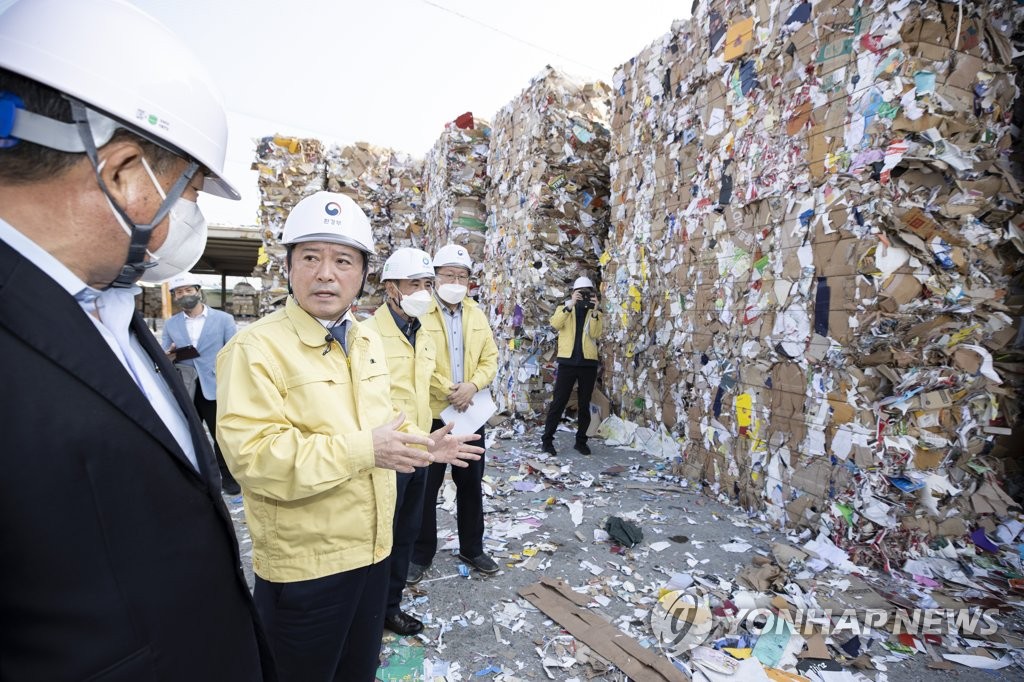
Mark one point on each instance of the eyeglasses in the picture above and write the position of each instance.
(461, 279)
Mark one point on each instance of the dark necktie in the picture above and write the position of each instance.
(410, 330)
(340, 332)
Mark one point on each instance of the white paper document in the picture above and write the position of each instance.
(475, 416)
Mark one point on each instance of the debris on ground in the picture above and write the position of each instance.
(570, 601)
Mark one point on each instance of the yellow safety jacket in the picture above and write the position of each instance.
(480, 357)
(411, 368)
(564, 322)
(295, 428)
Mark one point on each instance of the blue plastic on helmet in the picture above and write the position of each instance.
(8, 103)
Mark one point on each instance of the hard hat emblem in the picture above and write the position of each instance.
(332, 208)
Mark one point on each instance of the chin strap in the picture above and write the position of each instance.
(366, 271)
(135, 264)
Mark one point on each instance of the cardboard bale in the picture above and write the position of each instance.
(812, 225)
(386, 185)
(547, 221)
(290, 169)
(455, 185)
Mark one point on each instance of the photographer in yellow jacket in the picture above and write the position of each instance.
(579, 326)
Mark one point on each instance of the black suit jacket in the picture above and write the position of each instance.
(118, 560)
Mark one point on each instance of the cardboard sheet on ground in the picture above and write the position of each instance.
(859, 595)
(980, 662)
(749, 670)
(600, 408)
(475, 416)
(559, 602)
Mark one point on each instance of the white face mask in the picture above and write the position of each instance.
(186, 236)
(417, 304)
(452, 293)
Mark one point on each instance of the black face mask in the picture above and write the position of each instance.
(188, 302)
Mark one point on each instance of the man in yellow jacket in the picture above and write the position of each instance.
(307, 426)
(578, 323)
(467, 361)
(408, 278)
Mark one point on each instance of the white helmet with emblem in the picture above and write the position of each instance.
(407, 263)
(453, 254)
(329, 217)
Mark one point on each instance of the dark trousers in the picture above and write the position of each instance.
(327, 629)
(567, 377)
(469, 507)
(208, 413)
(408, 515)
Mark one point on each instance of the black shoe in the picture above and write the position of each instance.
(549, 448)
(582, 448)
(482, 563)
(230, 488)
(415, 573)
(403, 624)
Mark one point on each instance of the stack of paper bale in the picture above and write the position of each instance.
(386, 185)
(290, 169)
(548, 220)
(384, 182)
(406, 203)
(455, 184)
(150, 302)
(814, 226)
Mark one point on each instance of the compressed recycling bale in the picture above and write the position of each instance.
(815, 226)
(547, 222)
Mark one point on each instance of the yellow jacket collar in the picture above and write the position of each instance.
(386, 322)
(308, 328)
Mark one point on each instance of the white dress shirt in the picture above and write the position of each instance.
(194, 325)
(111, 312)
(453, 330)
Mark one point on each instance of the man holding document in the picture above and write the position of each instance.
(192, 339)
(467, 360)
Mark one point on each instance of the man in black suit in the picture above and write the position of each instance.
(118, 559)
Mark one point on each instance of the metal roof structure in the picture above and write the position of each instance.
(230, 251)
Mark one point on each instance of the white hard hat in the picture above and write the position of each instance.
(329, 217)
(453, 254)
(185, 279)
(407, 263)
(146, 80)
(582, 283)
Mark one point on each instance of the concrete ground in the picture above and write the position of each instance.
(478, 627)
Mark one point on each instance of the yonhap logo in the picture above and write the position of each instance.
(682, 619)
